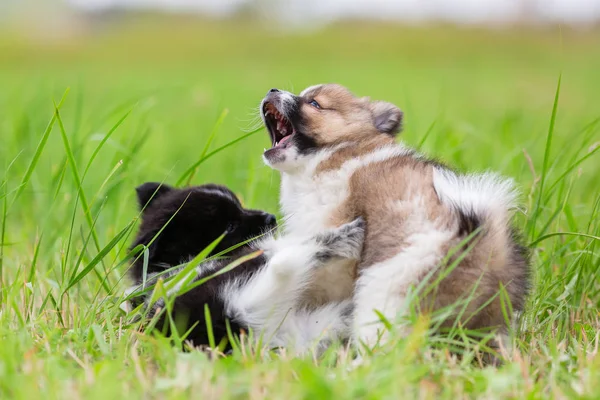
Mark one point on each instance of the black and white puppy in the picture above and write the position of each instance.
(261, 294)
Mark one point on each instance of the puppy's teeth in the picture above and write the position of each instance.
(264, 150)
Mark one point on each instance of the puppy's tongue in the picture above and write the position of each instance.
(283, 141)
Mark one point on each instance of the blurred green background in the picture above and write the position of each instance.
(482, 96)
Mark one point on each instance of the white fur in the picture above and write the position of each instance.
(308, 201)
(487, 195)
(310, 88)
(303, 329)
(264, 300)
(267, 303)
(287, 101)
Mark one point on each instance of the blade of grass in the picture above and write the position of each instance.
(549, 235)
(209, 155)
(185, 274)
(82, 254)
(208, 143)
(98, 258)
(2, 243)
(36, 253)
(40, 148)
(572, 167)
(103, 141)
(209, 327)
(222, 271)
(105, 182)
(546, 160)
(81, 194)
(427, 133)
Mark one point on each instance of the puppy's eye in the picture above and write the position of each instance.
(315, 104)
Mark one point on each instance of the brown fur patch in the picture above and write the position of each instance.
(342, 117)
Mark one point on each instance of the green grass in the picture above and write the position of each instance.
(87, 118)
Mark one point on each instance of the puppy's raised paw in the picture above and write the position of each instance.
(345, 241)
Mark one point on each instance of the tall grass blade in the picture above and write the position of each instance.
(222, 271)
(426, 135)
(208, 142)
(39, 149)
(209, 327)
(98, 258)
(81, 194)
(2, 241)
(190, 170)
(103, 141)
(549, 235)
(544, 174)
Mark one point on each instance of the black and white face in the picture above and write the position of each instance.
(321, 117)
(191, 219)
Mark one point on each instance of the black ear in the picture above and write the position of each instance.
(150, 191)
(387, 118)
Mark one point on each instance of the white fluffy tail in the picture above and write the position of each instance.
(486, 195)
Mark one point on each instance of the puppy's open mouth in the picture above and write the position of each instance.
(279, 127)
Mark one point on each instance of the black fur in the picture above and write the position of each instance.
(199, 215)
(305, 144)
(150, 191)
(189, 308)
(467, 223)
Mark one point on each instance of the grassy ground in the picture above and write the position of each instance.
(476, 99)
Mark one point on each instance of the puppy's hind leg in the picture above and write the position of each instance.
(383, 287)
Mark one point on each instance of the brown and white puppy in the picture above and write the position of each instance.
(339, 160)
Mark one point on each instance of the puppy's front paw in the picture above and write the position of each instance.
(345, 241)
(282, 263)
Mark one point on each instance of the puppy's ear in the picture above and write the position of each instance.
(387, 118)
(150, 191)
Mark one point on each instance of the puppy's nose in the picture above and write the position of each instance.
(273, 90)
(269, 219)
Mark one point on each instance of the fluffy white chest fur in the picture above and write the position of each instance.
(308, 199)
